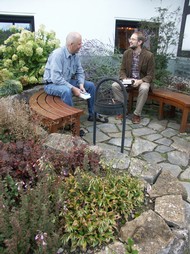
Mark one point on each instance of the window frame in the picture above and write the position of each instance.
(18, 19)
(186, 11)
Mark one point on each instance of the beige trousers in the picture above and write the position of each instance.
(141, 99)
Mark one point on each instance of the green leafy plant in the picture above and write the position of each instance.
(10, 87)
(129, 247)
(94, 206)
(75, 213)
(4, 34)
(164, 37)
(24, 54)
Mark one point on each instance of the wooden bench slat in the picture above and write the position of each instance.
(55, 113)
(43, 102)
(182, 99)
(59, 103)
(63, 108)
(33, 102)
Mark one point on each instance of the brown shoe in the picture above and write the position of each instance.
(119, 117)
(136, 119)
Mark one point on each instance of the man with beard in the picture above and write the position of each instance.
(137, 64)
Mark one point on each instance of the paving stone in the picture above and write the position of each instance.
(185, 175)
(153, 157)
(153, 137)
(187, 187)
(143, 131)
(167, 184)
(169, 132)
(107, 127)
(157, 126)
(164, 141)
(100, 137)
(163, 149)
(140, 146)
(119, 134)
(117, 160)
(172, 210)
(175, 170)
(117, 142)
(178, 158)
(145, 121)
(148, 171)
(120, 126)
(174, 125)
(106, 147)
(181, 144)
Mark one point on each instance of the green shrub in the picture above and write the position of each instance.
(74, 213)
(164, 38)
(95, 205)
(24, 54)
(10, 87)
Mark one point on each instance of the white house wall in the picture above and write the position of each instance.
(93, 19)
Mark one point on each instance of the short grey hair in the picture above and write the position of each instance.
(72, 37)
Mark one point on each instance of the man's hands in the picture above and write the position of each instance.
(76, 91)
(137, 82)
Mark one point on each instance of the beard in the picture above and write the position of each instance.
(133, 47)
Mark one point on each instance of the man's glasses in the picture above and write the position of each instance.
(132, 39)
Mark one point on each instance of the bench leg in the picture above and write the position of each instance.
(76, 126)
(161, 111)
(184, 120)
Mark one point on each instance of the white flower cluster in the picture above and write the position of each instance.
(24, 54)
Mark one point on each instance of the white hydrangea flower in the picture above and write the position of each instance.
(39, 51)
(24, 69)
(14, 57)
(2, 48)
(8, 63)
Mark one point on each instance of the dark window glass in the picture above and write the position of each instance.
(124, 30)
(6, 21)
(184, 39)
(26, 22)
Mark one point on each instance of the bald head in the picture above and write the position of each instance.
(73, 42)
(73, 37)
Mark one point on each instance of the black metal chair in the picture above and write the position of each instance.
(106, 104)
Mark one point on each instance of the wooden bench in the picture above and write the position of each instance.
(163, 96)
(54, 113)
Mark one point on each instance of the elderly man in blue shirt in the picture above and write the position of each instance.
(63, 64)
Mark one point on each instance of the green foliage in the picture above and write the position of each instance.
(10, 87)
(11, 193)
(94, 206)
(4, 34)
(72, 213)
(129, 247)
(24, 54)
(99, 61)
(164, 38)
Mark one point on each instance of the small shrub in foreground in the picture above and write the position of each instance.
(16, 121)
(74, 213)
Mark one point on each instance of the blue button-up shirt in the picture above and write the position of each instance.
(61, 66)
